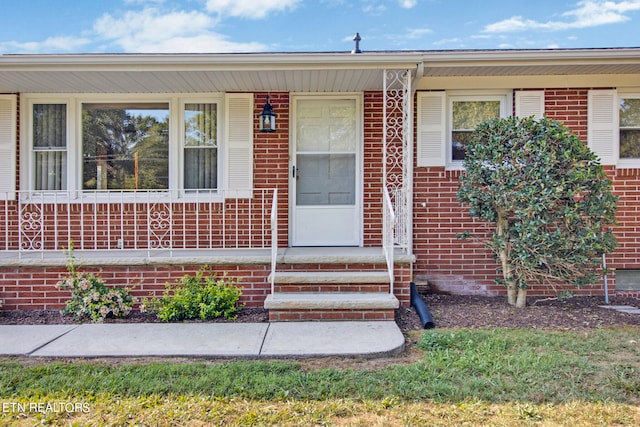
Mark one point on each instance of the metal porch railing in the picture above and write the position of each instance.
(139, 220)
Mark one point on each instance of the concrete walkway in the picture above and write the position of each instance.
(211, 340)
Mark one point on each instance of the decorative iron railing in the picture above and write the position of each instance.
(388, 235)
(274, 239)
(140, 220)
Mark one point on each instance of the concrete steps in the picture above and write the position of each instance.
(331, 295)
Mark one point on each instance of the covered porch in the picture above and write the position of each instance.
(242, 227)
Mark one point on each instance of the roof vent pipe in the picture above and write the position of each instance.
(357, 40)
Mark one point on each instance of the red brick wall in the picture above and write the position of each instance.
(373, 154)
(33, 288)
(457, 266)
(271, 157)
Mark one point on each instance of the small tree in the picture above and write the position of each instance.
(548, 197)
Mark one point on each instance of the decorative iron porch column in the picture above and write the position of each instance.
(398, 151)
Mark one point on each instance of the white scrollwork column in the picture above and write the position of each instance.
(398, 150)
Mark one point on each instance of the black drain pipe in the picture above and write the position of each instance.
(421, 308)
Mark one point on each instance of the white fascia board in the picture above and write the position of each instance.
(267, 61)
(528, 57)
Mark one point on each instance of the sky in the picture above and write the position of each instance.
(224, 26)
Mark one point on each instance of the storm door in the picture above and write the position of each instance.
(325, 172)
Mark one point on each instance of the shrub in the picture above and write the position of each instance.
(197, 297)
(91, 298)
(549, 200)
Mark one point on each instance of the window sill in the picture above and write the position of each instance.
(117, 196)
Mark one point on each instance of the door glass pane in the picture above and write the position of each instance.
(326, 125)
(325, 179)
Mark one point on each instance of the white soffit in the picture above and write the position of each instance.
(532, 62)
(198, 73)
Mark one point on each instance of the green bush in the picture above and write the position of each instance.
(91, 298)
(197, 297)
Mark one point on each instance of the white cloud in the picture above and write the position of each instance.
(416, 33)
(251, 9)
(51, 45)
(144, 2)
(408, 4)
(150, 30)
(374, 8)
(589, 13)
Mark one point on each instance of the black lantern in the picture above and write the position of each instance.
(267, 118)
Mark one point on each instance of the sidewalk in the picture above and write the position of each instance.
(211, 340)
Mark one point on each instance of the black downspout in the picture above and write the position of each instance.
(421, 308)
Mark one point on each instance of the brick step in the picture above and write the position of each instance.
(290, 306)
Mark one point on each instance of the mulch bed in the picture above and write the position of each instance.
(448, 311)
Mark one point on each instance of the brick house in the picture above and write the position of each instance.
(155, 165)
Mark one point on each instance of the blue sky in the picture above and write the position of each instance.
(217, 26)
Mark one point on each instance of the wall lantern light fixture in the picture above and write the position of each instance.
(267, 118)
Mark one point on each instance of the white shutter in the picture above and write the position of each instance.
(8, 124)
(432, 137)
(603, 125)
(239, 145)
(530, 103)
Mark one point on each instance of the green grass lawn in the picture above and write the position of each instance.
(466, 377)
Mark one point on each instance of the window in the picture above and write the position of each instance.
(50, 146)
(465, 114)
(629, 121)
(627, 280)
(200, 146)
(95, 143)
(125, 146)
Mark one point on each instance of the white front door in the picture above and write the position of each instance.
(325, 175)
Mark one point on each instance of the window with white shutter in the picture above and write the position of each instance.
(446, 121)
(193, 145)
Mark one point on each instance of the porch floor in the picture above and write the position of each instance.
(131, 257)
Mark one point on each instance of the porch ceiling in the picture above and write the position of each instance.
(148, 81)
(337, 72)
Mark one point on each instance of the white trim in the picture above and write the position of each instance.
(27, 158)
(506, 102)
(359, 185)
(626, 162)
(177, 150)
